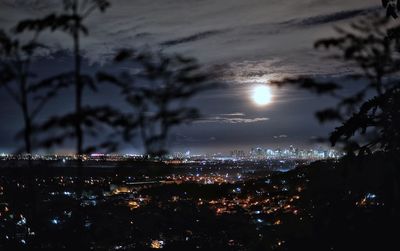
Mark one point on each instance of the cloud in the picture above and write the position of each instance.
(331, 17)
(282, 136)
(231, 119)
(191, 38)
(236, 114)
(29, 4)
(264, 71)
(217, 32)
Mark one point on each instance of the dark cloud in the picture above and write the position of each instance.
(330, 18)
(191, 38)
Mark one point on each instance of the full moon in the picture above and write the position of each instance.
(261, 95)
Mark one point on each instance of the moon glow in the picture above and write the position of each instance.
(261, 95)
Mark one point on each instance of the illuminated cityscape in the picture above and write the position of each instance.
(250, 196)
(257, 153)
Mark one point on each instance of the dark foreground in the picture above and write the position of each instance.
(352, 204)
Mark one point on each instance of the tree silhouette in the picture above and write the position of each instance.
(30, 93)
(369, 116)
(84, 120)
(392, 7)
(71, 21)
(15, 64)
(17, 78)
(158, 93)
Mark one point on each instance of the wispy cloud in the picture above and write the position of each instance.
(236, 114)
(282, 136)
(233, 118)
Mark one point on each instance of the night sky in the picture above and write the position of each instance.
(249, 41)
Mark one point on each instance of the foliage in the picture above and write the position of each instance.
(84, 120)
(369, 116)
(392, 7)
(29, 92)
(158, 93)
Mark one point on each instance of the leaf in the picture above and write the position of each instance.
(123, 55)
(329, 114)
(391, 11)
(385, 3)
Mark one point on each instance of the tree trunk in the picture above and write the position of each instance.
(78, 241)
(78, 96)
(26, 117)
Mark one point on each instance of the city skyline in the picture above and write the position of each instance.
(255, 153)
